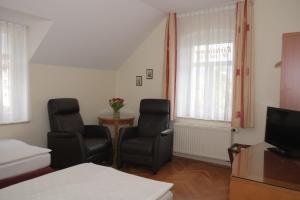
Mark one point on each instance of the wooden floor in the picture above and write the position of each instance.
(193, 179)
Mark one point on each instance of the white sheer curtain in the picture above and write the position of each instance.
(205, 63)
(13, 73)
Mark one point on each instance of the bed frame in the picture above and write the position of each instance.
(26, 176)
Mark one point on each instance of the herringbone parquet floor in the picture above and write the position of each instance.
(194, 180)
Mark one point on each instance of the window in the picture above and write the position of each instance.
(205, 64)
(13, 73)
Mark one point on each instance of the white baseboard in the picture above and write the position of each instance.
(204, 159)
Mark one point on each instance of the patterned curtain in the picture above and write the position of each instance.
(243, 112)
(170, 62)
(205, 43)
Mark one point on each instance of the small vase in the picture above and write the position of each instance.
(116, 114)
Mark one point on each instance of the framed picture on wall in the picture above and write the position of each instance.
(139, 81)
(149, 73)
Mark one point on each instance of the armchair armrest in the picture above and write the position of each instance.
(96, 131)
(66, 144)
(163, 148)
(62, 135)
(166, 132)
(127, 133)
(124, 134)
(66, 137)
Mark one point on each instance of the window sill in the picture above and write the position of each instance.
(14, 123)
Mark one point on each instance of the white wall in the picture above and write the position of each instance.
(272, 18)
(91, 87)
(148, 55)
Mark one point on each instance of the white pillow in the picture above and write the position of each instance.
(12, 150)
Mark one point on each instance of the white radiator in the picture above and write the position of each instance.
(202, 140)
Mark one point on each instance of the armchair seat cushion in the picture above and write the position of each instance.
(138, 146)
(95, 145)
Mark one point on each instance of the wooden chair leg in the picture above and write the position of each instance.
(235, 149)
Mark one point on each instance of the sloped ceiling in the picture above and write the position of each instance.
(96, 33)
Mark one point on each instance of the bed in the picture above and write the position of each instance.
(89, 182)
(20, 161)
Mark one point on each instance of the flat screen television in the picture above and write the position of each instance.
(283, 131)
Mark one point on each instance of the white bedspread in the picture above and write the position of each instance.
(87, 182)
(13, 150)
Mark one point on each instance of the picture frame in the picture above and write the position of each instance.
(139, 81)
(149, 73)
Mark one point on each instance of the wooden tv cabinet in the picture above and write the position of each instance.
(259, 174)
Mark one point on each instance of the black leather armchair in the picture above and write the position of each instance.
(151, 142)
(71, 141)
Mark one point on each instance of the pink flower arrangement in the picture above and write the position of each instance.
(116, 103)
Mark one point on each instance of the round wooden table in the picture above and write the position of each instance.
(109, 120)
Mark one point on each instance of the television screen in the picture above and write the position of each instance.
(283, 129)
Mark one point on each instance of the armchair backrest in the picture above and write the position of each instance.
(154, 117)
(64, 115)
